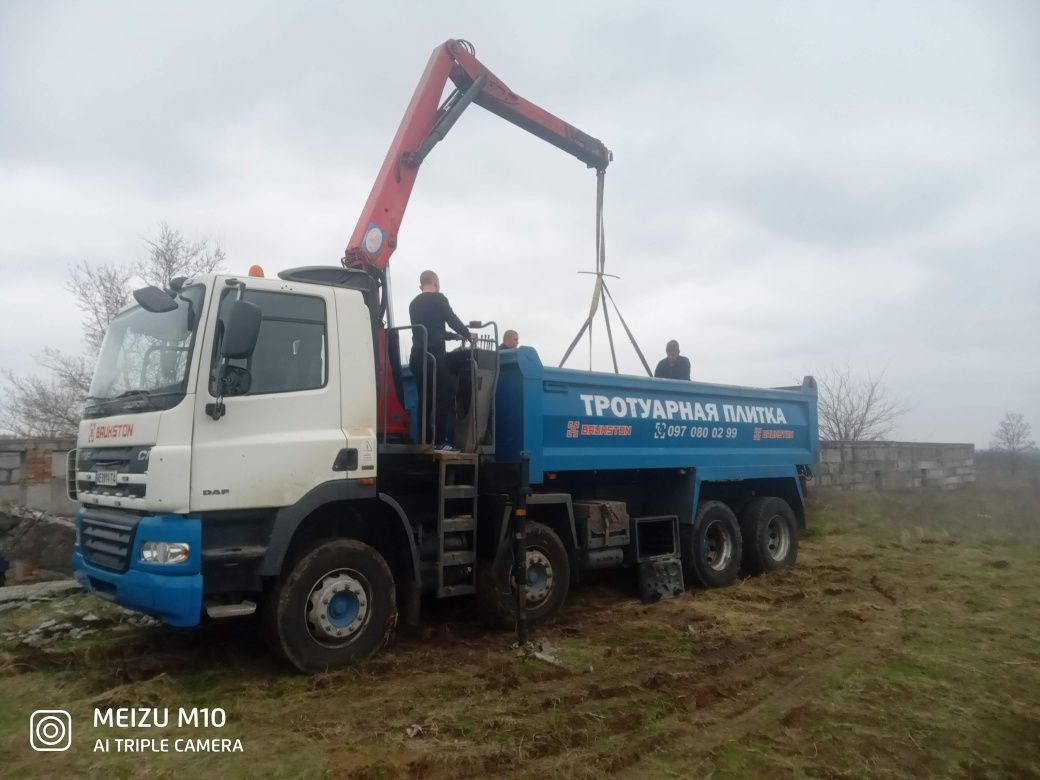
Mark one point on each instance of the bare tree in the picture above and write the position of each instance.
(48, 406)
(171, 255)
(51, 405)
(855, 407)
(1012, 439)
(100, 292)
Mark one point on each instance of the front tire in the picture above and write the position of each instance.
(336, 605)
(712, 549)
(770, 535)
(548, 579)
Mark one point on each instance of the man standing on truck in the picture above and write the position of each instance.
(430, 308)
(674, 366)
(510, 340)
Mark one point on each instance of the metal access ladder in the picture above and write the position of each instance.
(456, 523)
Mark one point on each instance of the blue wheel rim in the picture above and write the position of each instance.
(343, 609)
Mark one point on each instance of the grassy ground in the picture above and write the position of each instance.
(904, 644)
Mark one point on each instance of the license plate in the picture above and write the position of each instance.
(105, 478)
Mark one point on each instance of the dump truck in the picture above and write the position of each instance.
(254, 445)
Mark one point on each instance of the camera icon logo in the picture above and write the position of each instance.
(50, 731)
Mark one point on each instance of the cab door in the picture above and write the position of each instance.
(281, 430)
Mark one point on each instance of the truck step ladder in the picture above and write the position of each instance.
(456, 523)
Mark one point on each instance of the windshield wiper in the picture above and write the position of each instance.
(141, 395)
(128, 393)
(148, 393)
(145, 395)
(94, 402)
(129, 397)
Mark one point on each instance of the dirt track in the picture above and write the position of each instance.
(903, 644)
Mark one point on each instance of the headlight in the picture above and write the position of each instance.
(165, 552)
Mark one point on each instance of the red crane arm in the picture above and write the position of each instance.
(427, 121)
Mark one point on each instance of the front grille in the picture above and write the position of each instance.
(107, 539)
(130, 465)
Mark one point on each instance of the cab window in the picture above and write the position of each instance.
(291, 350)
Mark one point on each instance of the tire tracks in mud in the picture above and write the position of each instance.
(745, 677)
(766, 695)
(797, 691)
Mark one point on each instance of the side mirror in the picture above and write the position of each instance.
(154, 300)
(243, 327)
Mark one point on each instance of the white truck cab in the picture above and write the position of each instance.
(150, 441)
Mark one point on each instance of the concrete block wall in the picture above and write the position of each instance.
(11, 470)
(32, 474)
(885, 465)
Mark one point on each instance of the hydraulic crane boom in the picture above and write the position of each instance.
(427, 121)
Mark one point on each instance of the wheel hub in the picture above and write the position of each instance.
(338, 605)
(539, 582)
(718, 547)
(778, 539)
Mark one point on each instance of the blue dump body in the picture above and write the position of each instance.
(581, 420)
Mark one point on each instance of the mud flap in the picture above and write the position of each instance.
(661, 578)
(411, 598)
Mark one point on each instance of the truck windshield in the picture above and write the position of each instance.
(144, 359)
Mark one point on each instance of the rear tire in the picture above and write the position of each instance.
(712, 548)
(337, 604)
(770, 535)
(548, 580)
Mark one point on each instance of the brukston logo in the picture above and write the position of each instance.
(50, 731)
(120, 431)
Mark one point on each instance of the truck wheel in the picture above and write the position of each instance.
(711, 550)
(548, 579)
(770, 535)
(336, 605)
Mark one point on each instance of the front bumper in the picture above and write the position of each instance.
(170, 592)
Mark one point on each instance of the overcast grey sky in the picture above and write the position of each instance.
(794, 185)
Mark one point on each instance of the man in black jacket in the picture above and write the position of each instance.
(675, 366)
(430, 308)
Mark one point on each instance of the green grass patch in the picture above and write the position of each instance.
(904, 644)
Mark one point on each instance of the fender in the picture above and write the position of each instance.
(407, 530)
(568, 532)
(563, 500)
(786, 475)
(287, 520)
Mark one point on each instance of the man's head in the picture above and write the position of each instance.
(428, 282)
(511, 339)
(671, 349)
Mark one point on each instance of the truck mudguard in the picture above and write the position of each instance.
(288, 520)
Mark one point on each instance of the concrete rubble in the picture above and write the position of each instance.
(37, 544)
(38, 591)
(71, 616)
